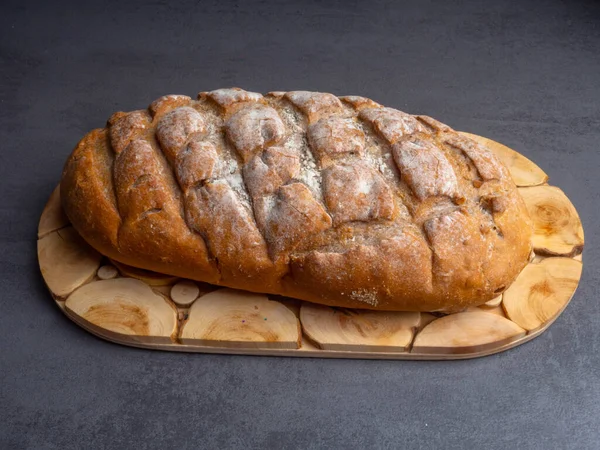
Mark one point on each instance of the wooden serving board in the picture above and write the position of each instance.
(139, 308)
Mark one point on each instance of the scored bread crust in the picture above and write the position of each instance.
(338, 201)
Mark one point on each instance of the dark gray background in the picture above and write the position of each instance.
(524, 73)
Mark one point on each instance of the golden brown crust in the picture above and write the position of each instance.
(87, 193)
(336, 201)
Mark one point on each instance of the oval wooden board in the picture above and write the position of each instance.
(144, 309)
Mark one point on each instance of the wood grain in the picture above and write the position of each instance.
(358, 330)
(467, 332)
(66, 261)
(498, 310)
(230, 318)
(557, 227)
(541, 291)
(53, 217)
(125, 307)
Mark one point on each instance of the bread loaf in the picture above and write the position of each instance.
(338, 201)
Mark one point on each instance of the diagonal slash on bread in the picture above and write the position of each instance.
(338, 201)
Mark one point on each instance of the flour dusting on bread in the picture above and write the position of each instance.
(339, 201)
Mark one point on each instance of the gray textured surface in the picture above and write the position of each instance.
(523, 73)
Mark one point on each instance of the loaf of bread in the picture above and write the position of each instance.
(338, 201)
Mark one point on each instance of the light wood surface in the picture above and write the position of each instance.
(136, 307)
(498, 310)
(125, 307)
(541, 291)
(425, 319)
(523, 171)
(107, 272)
(184, 292)
(164, 290)
(307, 349)
(53, 217)
(557, 227)
(292, 304)
(230, 318)
(66, 261)
(467, 332)
(493, 302)
(351, 330)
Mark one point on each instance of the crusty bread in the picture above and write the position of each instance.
(332, 200)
